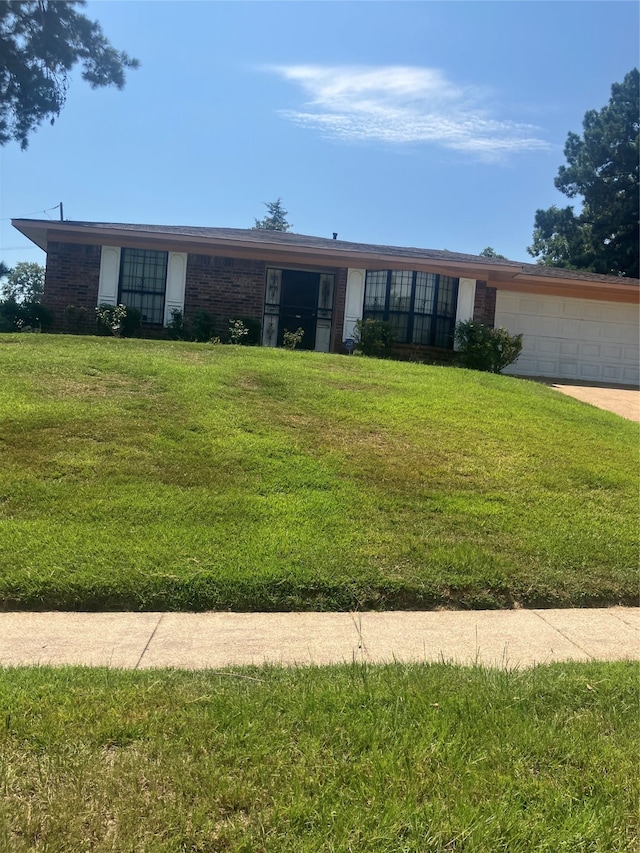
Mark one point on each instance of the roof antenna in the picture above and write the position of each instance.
(335, 235)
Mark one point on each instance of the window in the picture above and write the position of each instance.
(421, 305)
(143, 282)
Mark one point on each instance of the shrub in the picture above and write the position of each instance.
(202, 327)
(76, 319)
(118, 320)
(374, 337)
(253, 327)
(290, 340)
(483, 348)
(177, 328)
(24, 316)
(131, 324)
(237, 332)
(9, 314)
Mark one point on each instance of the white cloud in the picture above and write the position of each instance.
(398, 104)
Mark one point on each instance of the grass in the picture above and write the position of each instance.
(350, 758)
(154, 475)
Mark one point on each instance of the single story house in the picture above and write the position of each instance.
(575, 325)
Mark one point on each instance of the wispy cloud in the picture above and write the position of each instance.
(397, 104)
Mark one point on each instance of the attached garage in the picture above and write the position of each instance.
(569, 338)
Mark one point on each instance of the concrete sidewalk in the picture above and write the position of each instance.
(503, 638)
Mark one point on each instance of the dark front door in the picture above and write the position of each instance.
(299, 306)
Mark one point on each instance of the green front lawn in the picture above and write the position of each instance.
(394, 759)
(154, 475)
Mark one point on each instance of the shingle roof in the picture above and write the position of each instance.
(291, 240)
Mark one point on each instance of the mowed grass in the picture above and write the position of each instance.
(350, 758)
(155, 475)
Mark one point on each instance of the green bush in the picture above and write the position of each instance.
(253, 327)
(177, 329)
(237, 332)
(118, 320)
(374, 337)
(24, 316)
(482, 348)
(290, 340)
(202, 327)
(131, 324)
(76, 319)
(9, 309)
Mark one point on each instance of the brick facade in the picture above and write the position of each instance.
(484, 308)
(72, 276)
(226, 288)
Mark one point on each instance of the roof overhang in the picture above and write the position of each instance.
(503, 276)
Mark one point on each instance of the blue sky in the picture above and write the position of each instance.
(431, 124)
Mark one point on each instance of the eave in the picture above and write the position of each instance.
(501, 275)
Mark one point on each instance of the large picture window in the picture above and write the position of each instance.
(143, 282)
(421, 305)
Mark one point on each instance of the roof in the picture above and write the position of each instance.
(271, 245)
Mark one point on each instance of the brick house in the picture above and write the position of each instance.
(575, 325)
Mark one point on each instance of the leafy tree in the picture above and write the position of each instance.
(490, 252)
(276, 220)
(40, 42)
(603, 168)
(4, 269)
(24, 283)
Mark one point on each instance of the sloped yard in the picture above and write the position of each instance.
(152, 475)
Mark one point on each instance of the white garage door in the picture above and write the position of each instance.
(565, 338)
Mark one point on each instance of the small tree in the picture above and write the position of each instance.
(276, 219)
(483, 348)
(24, 283)
(374, 337)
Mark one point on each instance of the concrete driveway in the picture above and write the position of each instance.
(619, 399)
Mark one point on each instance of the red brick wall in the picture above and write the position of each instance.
(72, 276)
(226, 288)
(484, 309)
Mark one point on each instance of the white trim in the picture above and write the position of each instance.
(466, 299)
(353, 302)
(109, 275)
(176, 280)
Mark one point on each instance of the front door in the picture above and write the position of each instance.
(299, 306)
(298, 299)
